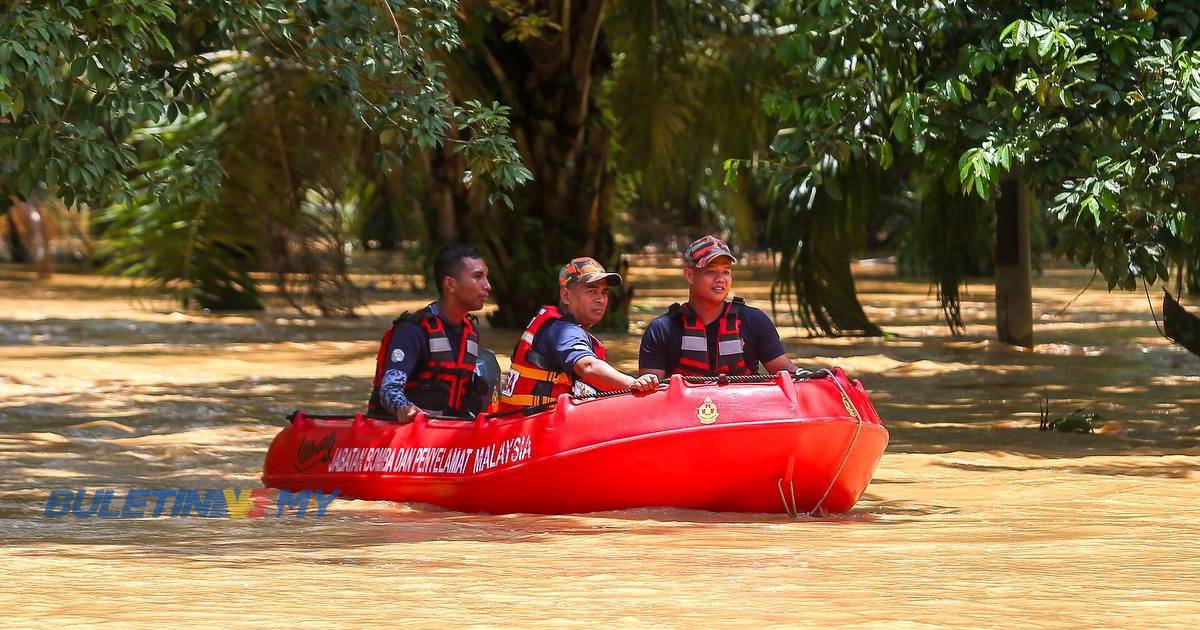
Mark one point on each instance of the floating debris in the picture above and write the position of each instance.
(1079, 421)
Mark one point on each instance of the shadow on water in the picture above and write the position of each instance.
(350, 526)
(1163, 470)
(938, 399)
(188, 332)
(340, 529)
(167, 408)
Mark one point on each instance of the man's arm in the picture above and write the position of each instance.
(403, 355)
(572, 348)
(599, 374)
(652, 356)
(767, 344)
(779, 364)
(391, 394)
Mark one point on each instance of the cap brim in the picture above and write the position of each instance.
(707, 260)
(613, 278)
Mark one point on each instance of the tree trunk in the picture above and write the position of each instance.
(32, 223)
(39, 220)
(1014, 288)
(448, 195)
(1193, 277)
(550, 82)
(1179, 325)
(16, 245)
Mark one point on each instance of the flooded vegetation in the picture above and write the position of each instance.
(975, 517)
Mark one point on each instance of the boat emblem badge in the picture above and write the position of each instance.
(707, 412)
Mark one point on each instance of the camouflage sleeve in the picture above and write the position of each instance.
(404, 354)
(391, 391)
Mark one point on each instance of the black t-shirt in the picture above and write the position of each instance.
(662, 342)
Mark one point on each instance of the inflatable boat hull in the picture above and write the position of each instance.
(779, 446)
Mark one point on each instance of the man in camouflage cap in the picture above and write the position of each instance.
(557, 354)
(710, 335)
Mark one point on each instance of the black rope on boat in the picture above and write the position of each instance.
(722, 379)
(725, 379)
(291, 417)
(526, 411)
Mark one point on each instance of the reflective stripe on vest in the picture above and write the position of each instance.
(445, 364)
(529, 382)
(695, 358)
(446, 376)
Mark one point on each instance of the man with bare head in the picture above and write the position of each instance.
(710, 335)
(428, 360)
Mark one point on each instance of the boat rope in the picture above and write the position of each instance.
(793, 509)
(725, 379)
(1151, 305)
(722, 379)
(849, 447)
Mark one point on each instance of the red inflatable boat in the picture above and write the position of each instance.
(784, 444)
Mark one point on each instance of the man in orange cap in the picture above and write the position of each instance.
(556, 354)
(710, 335)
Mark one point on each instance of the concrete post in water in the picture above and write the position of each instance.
(1014, 289)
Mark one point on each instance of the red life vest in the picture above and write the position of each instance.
(442, 383)
(529, 381)
(695, 357)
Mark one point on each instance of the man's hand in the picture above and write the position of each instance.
(645, 383)
(406, 414)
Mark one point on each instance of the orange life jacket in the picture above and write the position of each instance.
(530, 381)
(442, 383)
(695, 357)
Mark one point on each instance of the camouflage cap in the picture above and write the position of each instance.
(706, 249)
(584, 269)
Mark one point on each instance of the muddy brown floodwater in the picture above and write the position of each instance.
(974, 519)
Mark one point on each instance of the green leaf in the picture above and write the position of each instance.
(965, 166)
(1092, 206)
(981, 188)
(731, 172)
(1116, 53)
(885, 155)
(963, 91)
(1046, 44)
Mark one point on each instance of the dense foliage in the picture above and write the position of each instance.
(1095, 107)
(224, 138)
(78, 77)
